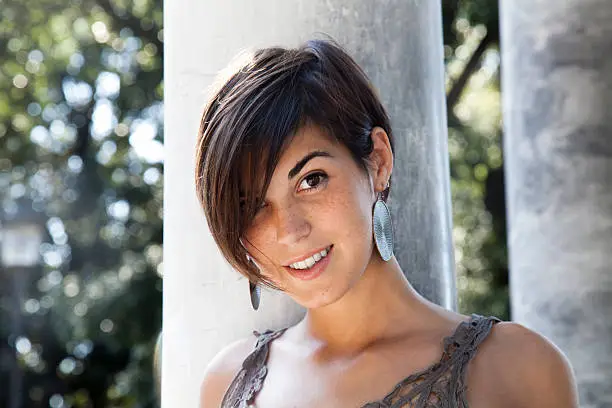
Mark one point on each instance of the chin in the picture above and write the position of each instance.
(322, 297)
(329, 287)
(318, 302)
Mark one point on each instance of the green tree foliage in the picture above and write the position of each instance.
(81, 132)
(471, 33)
(80, 138)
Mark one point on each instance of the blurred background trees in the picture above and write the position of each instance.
(471, 37)
(81, 144)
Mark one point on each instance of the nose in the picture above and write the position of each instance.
(291, 225)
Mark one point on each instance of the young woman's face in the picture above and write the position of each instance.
(313, 235)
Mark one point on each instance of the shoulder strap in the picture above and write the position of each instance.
(470, 334)
(249, 379)
(442, 383)
(465, 344)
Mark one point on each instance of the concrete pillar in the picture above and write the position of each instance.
(557, 93)
(399, 45)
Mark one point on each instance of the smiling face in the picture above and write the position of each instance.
(312, 236)
(254, 132)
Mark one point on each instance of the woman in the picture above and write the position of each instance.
(294, 165)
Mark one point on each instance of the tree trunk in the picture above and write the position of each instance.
(557, 90)
(399, 45)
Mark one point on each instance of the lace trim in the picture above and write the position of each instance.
(249, 379)
(442, 385)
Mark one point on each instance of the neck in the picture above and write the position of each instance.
(381, 305)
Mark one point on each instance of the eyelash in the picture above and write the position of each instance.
(322, 178)
(320, 174)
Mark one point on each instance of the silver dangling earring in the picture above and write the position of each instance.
(383, 228)
(254, 289)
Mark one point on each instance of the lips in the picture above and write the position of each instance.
(314, 271)
(306, 256)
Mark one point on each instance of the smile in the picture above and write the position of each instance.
(311, 260)
(312, 266)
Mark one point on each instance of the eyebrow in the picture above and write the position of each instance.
(300, 164)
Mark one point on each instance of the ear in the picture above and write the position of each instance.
(381, 159)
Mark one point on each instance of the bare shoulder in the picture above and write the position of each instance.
(221, 371)
(525, 369)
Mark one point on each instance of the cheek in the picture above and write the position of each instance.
(358, 224)
(255, 240)
(262, 245)
(350, 215)
(258, 242)
(343, 217)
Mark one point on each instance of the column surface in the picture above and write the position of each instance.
(399, 45)
(557, 93)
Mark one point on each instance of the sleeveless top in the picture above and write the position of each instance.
(441, 385)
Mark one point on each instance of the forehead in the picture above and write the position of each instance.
(308, 138)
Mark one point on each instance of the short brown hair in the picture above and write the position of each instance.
(253, 115)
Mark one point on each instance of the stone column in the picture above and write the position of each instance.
(399, 44)
(557, 93)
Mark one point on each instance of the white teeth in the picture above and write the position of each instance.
(309, 262)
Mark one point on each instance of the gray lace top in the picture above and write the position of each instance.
(441, 385)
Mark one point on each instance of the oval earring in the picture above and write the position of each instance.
(254, 289)
(383, 228)
(255, 294)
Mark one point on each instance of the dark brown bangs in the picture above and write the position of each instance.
(260, 121)
(255, 165)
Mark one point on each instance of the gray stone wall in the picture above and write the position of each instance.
(557, 99)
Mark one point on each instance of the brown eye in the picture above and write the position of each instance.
(312, 181)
